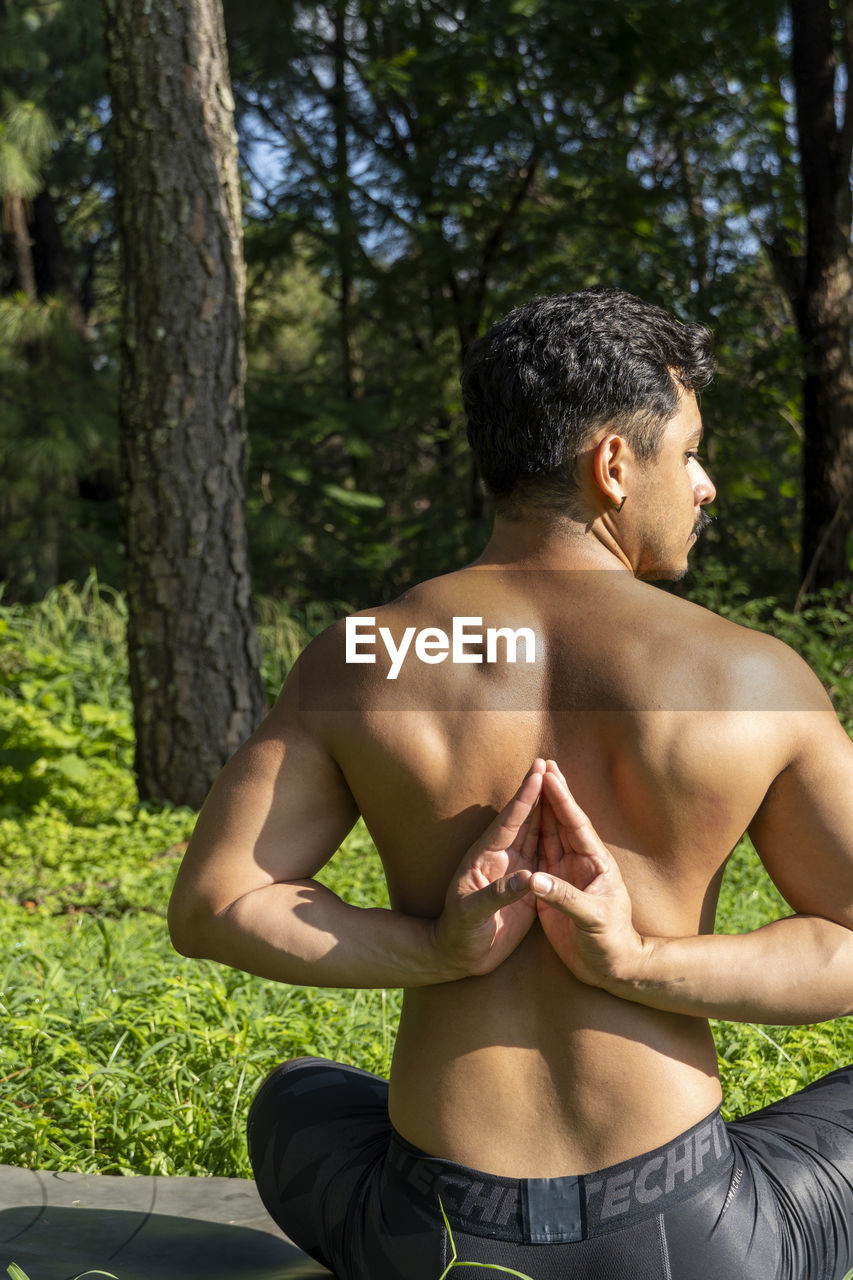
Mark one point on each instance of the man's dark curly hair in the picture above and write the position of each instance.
(542, 381)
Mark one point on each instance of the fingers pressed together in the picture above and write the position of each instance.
(545, 812)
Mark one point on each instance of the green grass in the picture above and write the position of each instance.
(759, 1064)
(120, 1056)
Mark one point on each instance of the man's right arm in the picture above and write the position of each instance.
(246, 893)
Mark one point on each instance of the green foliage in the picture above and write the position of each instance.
(65, 730)
(488, 155)
(56, 418)
(451, 167)
(119, 1055)
(58, 429)
(71, 830)
(26, 136)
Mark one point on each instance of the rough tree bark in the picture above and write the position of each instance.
(194, 657)
(823, 305)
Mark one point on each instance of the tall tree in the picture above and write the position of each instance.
(823, 66)
(194, 657)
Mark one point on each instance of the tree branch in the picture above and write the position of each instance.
(789, 269)
(493, 244)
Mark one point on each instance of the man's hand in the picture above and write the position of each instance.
(488, 908)
(581, 897)
(795, 970)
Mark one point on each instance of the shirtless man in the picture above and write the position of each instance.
(554, 1092)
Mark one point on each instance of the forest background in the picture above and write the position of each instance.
(410, 170)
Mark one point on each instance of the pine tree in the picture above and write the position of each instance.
(194, 657)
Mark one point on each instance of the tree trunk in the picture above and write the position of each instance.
(16, 208)
(194, 656)
(824, 310)
(342, 204)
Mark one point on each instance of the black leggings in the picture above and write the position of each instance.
(766, 1197)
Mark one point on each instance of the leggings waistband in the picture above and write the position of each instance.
(557, 1210)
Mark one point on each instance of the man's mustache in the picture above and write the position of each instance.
(702, 522)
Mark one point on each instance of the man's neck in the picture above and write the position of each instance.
(553, 543)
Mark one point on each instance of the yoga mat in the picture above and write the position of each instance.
(57, 1225)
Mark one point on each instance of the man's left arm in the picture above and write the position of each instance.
(792, 971)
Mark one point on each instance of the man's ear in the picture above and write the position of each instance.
(611, 464)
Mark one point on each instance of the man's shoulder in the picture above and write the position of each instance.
(750, 668)
(340, 666)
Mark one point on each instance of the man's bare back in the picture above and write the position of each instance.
(650, 704)
(583, 1040)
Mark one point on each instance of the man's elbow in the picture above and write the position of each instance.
(191, 929)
